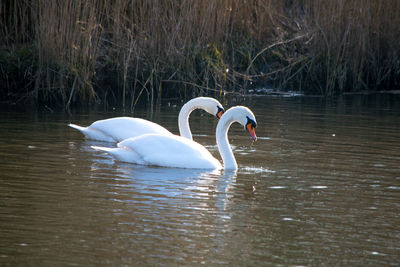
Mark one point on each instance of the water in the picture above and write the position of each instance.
(321, 186)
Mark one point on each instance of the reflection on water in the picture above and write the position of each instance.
(321, 186)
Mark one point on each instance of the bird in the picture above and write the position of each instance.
(120, 128)
(179, 152)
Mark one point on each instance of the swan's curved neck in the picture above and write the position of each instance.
(183, 120)
(222, 142)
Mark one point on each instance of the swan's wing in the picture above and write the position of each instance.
(120, 128)
(171, 151)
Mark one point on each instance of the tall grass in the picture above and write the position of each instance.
(79, 52)
(357, 43)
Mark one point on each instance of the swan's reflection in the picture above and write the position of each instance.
(210, 188)
(174, 181)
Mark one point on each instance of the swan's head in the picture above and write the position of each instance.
(220, 112)
(251, 127)
(208, 104)
(212, 106)
(245, 117)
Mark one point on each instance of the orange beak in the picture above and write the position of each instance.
(220, 113)
(252, 131)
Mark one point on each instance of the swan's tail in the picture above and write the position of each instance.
(117, 152)
(79, 128)
(93, 133)
(122, 154)
(109, 150)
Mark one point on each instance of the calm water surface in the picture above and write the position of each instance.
(321, 186)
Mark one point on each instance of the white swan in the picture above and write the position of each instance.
(179, 152)
(121, 128)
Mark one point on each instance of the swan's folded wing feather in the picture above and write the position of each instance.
(171, 151)
(121, 128)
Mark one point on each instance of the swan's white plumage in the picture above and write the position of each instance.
(208, 104)
(179, 152)
(238, 114)
(163, 150)
(121, 128)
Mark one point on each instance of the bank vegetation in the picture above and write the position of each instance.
(81, 52)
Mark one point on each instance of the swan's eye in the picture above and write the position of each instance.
(220, 111)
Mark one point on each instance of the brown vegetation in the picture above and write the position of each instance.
(77, 51)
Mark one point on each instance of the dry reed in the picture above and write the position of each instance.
(77, 51)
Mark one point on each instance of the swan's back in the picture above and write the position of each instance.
(120, 128)
(169, 151)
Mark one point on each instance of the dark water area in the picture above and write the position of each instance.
(321, 186)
